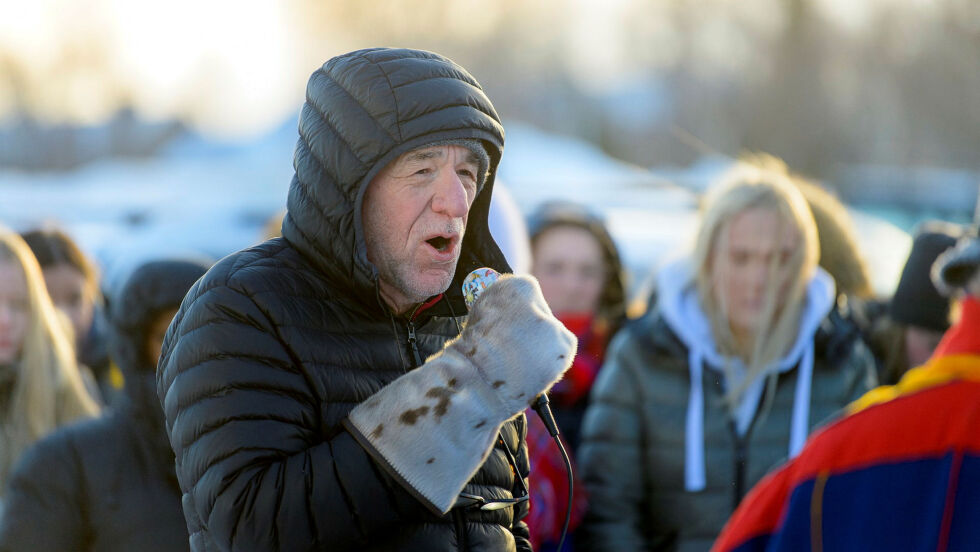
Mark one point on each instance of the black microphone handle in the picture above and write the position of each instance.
(542, 406)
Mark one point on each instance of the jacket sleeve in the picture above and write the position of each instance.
(256, 470)
(43, 508)
(611, 457)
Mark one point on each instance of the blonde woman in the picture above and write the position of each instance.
(86, 487)
(744, 353)
(40, 386)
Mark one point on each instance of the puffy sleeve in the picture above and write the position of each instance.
(44, 506)
(243, 419)
(611, 456)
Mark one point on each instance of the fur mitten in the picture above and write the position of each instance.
(433, 427)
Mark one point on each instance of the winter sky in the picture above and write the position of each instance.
(235, 67)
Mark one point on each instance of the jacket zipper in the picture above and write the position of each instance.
(741, 460)
(458, 517)
(414, 345)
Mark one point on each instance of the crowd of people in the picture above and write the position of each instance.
(328, 389)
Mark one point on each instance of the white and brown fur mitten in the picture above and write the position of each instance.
(433, 427)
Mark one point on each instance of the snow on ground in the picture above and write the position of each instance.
(202, 197)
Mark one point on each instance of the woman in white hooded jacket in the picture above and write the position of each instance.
(746, 351)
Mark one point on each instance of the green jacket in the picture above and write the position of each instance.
(633, 450)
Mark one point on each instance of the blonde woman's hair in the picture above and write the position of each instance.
(840, 253)
(47, 389)
(743, 188)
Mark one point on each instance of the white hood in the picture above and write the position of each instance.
(678, 302)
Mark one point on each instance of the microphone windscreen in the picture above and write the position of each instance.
(477, 281)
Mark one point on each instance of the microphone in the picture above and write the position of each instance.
(473, 285)
(477, 281)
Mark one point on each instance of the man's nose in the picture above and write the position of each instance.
(450, 195)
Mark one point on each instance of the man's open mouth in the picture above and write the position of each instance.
(440, 243)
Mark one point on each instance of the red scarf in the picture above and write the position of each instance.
(577, 383)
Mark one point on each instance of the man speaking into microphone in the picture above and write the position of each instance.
(316, 393)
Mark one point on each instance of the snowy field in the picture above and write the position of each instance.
(212, 199)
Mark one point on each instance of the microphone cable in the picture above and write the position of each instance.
(473, 285)
(543, 407)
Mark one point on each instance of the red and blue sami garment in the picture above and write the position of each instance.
(901, 471)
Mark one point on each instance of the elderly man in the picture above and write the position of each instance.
(901, 471)
(315, 396)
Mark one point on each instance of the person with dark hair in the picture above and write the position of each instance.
(901, 470)
(109, 483)
(582, 278)
(577, 263)
(72, 281)
(325, 389)
(840, 254)
(917, 315)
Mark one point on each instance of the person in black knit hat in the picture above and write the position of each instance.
(917, 315)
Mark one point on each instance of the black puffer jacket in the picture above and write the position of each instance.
(273, 348)
(108, 484)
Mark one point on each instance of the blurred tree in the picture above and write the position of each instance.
(821, 83)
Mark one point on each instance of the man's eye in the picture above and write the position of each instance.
(423, 171)
(467, 174)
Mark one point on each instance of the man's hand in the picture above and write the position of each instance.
(515, 343)
(433, 427)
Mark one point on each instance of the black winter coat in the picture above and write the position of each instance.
(108, 484)
(274, 347)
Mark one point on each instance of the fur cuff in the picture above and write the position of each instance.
(431, 429)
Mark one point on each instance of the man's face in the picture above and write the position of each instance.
(414, 215)
(920, 343)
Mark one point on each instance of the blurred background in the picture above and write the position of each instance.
(140, 126)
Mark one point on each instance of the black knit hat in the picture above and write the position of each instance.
(917, 302)
(475, 146)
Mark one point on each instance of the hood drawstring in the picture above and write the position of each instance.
(695, 478)
(452, 311)
(694, 470)
(682, 312)
(801, 402)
